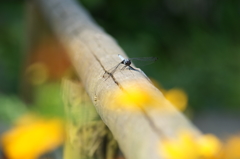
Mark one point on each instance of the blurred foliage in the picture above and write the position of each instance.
(196, 42)
(48, 100)
(11, 45)
(11, 108)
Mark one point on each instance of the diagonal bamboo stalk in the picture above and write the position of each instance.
(85, 131)
(92, 52)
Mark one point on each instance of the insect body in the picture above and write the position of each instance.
(128, 62)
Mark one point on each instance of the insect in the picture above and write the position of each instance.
(128, 62)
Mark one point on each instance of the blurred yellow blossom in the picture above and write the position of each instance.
(184, 147)
(209, 145)
(177, 97)
(134, 96)
(188, 146)
(31, 137)
(232, 148)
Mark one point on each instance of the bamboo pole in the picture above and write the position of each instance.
(93, 52)
(86, 133)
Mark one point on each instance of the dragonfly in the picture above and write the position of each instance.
(127, 63)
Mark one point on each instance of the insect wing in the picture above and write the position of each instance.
(142, 61)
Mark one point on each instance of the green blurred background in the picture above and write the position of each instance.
(197, 42)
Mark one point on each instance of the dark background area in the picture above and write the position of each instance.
(197, 42)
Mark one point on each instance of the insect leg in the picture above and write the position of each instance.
(123, 67)
(109, 73)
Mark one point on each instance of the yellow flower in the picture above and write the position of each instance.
(209, 146)
(232, 148)
(133, 97)
(184, 147)
(177, 97)
(188, 146)
(30, 139)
